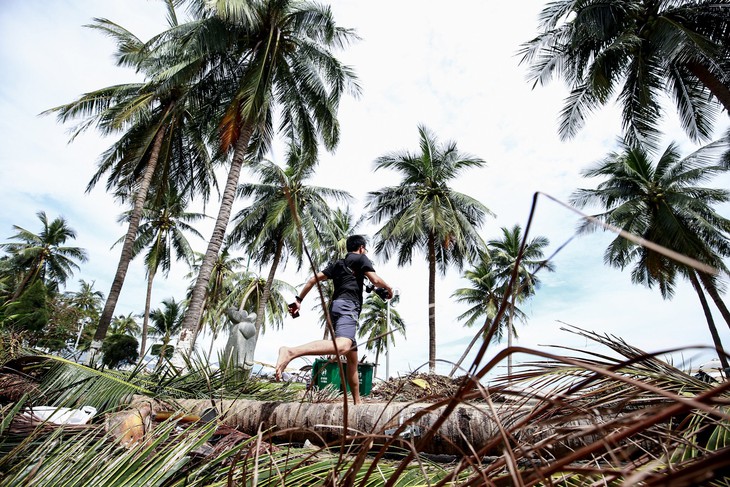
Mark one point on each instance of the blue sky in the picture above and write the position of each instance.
(452, 69)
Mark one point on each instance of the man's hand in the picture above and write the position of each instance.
(383, 293)
(294, 309)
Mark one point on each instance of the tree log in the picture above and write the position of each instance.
(469, 426)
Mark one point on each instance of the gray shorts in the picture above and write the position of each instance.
(344, 315)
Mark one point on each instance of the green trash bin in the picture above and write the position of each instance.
(326, 373)
(365, 377)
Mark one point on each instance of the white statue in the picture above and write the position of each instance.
(241, 343)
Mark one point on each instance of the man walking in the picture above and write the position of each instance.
(347, 275)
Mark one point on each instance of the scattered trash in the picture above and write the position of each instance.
(63, 415)
(416, 387)
(408, 432)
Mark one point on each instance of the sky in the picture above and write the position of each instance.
(451, 69)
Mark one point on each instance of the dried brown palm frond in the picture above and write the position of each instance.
(595, 418)
(11, 346)
(15, 385)
(630, 418)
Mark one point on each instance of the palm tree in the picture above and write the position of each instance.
(124, 325)
(340, 224)
(162, 232)
(640, 49)
(424, 213)
(515, 267)
(87, 299)
(166, 323)
(157, 124)
(484, 296)
(267, 229)
(88, 302)
(332, 246)
(222, 287)
(43, 255)
(232, 285)
(662, 203)
(276, 58)
(374, 325)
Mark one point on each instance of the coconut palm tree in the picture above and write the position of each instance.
(515, 267)
(267, 229)
(227, 272)
(165, 220)
(88, 303)
(424, 214)
(340, 224)
(232, 285)
(374, 326)
(276, 58)
(161, 138)
(87, 299)
(639, 51)
(663, 203)
(43, 255)
(330, 246)
(484, 297)
(166, 322)
(124, 325)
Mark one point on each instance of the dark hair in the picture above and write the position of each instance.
(354, 242)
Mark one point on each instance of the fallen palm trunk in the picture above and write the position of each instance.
(469, 427)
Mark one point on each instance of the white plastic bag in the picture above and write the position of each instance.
(63, 415)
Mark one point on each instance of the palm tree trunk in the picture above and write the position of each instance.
(22, 286)
(186, 342)
(126, 256)
(431, 303)
(712, 82)
(146, 318)
(480, 333)
(710, 321)
(377, 357)
(161, 356)
(267, 287)
(510, 322)
(29, 277)
(715, 295)
(467, 428)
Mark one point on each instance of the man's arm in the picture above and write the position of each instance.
(377, 281)
(296, 305)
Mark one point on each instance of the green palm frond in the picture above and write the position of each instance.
(69, 384)
(639, 51)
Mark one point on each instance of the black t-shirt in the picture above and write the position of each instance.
(347, 275)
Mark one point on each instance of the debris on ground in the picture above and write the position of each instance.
(415, 387)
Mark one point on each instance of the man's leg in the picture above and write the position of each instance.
(317, 347)
(352, 375)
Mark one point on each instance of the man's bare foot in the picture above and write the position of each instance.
(281, 362)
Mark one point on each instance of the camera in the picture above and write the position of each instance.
(380, 291)
(292, 307)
